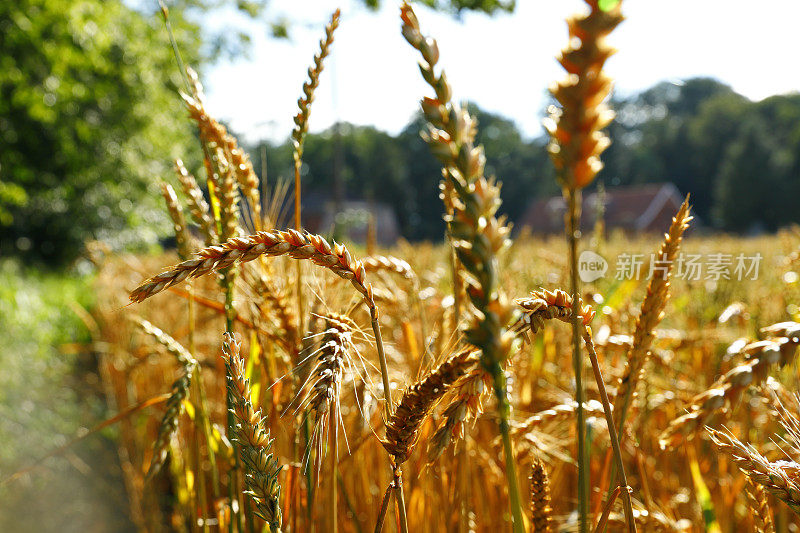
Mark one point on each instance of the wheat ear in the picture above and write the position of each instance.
(301, 246)
(182, 237)
(169, 422)
(757, 499)
(304, 105)
(779, 478)
(217, 146)
(651, 313)
(557, 413)
(418, 400)
(265, 291)
(325, 380)
(383, 263)
(541, 512)
(544, 305)
(576, 143)
(260, 464)
(463, 402)
(198, 207)
(216, 133)
(175, 403)
(727, 390)
(170, 344)
(577, 139)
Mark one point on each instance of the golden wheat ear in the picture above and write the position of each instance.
(198, 207)
(300, 246)
(778, 478)
(577, 139)
(541, 512)
(418, 400)
(651, 313)
(169, 422)
(760, 356)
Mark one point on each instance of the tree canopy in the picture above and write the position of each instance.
(89, 117)
(739, 159)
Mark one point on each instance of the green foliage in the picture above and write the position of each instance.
(401, 172)
(489, 7)
(90, 119)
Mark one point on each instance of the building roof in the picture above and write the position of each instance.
(641, 208)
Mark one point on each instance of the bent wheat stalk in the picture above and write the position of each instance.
(543, 305)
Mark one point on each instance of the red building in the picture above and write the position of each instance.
(637, 209)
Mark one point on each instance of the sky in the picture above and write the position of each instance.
(504, 63)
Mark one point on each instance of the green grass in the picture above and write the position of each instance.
(47, 393)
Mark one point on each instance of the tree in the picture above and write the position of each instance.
(753, 188)
(90, 119)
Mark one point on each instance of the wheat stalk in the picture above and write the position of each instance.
(260, 465)
(576, 143)
(477, 234)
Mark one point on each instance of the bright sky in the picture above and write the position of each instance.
(503, 63)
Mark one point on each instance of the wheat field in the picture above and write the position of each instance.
(270, 379)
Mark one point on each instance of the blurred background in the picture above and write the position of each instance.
(91, 120)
